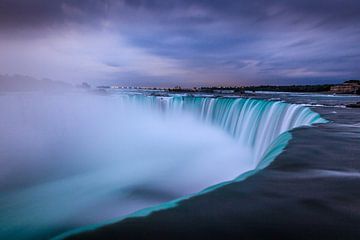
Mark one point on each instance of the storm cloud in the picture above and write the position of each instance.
(188, 43)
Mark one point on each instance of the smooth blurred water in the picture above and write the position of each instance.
(75, 159)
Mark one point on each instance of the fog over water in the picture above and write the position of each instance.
(76, 159)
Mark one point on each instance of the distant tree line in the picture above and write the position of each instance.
(291, 88)
(236, 89)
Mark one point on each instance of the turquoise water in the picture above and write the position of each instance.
(259, 125)
(254, 123)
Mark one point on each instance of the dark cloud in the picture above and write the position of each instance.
(251, 39)
(41, 12)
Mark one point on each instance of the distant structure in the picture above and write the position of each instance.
(222, 90)
(225, 91)
(348, 87)
(84, 85)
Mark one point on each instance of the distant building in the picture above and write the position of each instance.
(348, 87)
(84, 85)
(225, 91)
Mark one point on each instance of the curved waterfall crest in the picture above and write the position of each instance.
(260, 125)
(254, 123)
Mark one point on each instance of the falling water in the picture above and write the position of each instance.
(254, 123)
(73, 160)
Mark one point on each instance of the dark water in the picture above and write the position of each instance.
(311, 191)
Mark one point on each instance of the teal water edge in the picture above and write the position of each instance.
(260, 125)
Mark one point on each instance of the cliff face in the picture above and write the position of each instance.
(348, 87)
(10, 83)
(354, 105)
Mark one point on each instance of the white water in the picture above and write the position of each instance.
(72, 160)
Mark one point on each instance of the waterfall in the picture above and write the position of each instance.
(260, 125)
(85, 159)
(254, 123)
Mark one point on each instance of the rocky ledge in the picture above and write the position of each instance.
(354, 105)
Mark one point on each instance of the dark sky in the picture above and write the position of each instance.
(182, 42)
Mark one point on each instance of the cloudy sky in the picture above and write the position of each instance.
(182, 42)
